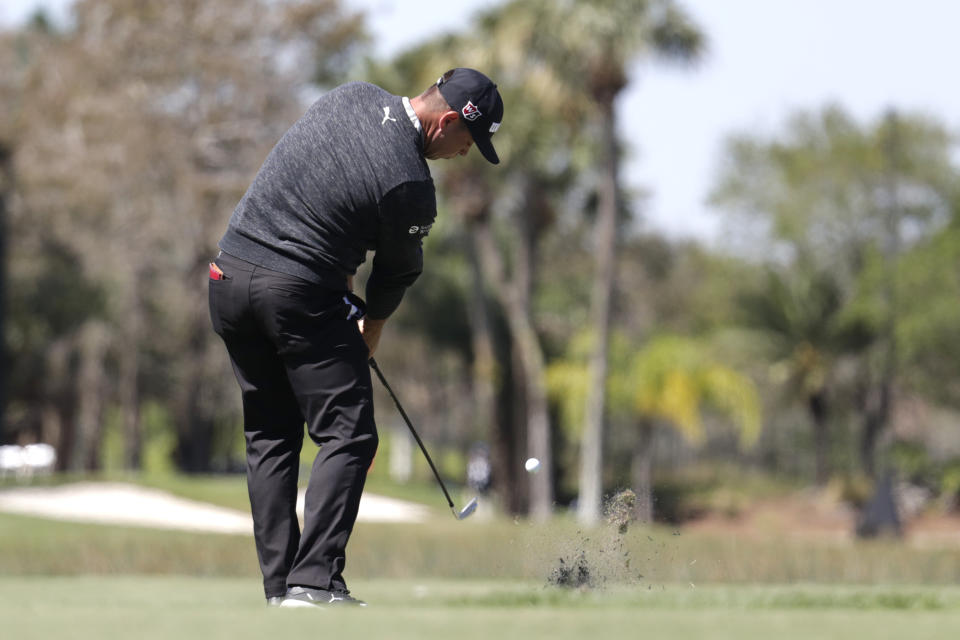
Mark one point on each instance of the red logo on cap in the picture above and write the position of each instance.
(470, 111)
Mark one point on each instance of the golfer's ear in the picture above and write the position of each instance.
(448, 118)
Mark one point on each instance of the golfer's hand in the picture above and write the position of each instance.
(370, 330)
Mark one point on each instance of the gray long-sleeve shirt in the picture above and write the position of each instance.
(348, 177)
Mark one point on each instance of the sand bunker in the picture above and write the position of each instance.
(127, 504)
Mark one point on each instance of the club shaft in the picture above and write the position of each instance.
(376, 369)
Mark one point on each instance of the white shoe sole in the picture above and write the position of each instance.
(300, 604)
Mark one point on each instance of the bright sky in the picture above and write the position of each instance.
(767, 58)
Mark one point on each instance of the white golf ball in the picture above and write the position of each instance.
(532, 465)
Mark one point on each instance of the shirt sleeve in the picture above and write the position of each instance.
(406, 214)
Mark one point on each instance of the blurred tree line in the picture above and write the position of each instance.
(818, 341)
(133, 134)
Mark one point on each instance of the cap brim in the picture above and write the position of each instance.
(485, 146)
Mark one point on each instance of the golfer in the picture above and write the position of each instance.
(349, 177)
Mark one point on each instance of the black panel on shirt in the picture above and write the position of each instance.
(406, 214)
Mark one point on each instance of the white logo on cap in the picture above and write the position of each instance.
(494, 127)
(470, 111)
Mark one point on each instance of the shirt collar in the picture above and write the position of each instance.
(413, 117)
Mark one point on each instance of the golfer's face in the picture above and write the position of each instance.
(456, 141)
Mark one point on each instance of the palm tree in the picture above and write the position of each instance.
(835, 196)
(588, 47)
(806, 332)
(670, 383)
(666, 384)
(566, 62)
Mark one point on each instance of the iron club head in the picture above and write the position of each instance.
(466, 511)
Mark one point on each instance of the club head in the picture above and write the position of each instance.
(467, 510)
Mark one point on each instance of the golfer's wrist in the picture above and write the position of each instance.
(370, 330)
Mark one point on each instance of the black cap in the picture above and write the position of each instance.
(476, 98)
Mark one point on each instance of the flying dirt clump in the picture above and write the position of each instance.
(575, 575)
(591, 564)
(620, 510)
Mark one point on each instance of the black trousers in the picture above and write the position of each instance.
(298, 359)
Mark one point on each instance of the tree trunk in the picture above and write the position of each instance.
(591, 449)
(128, 387)
(641, 472)
(487, 376)
(539, 440)
(497, 389)
(879, 399)
(817, 404)
(876, 415)
(5, 187)
(538, 432)
(484, 373)
(514, 427)
(93, 341)
(195, 426)
(517, 306)
(57, 423)
(130, 415)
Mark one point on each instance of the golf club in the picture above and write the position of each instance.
(470, 506)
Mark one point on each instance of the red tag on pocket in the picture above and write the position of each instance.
(216, 273)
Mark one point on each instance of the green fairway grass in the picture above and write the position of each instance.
(478, 549)
(481, 578)
(142, 607)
